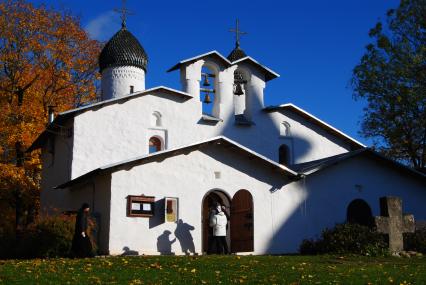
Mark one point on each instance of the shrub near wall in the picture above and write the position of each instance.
(347, 238)
(49, 236)
(416, 241)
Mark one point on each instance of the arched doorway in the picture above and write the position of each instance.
(209, 202)
(242, 230)
(359, 212)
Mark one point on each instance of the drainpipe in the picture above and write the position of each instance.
(51, 114)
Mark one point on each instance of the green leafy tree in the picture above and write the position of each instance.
(391, 77)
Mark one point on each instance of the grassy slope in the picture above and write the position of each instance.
(216, 270)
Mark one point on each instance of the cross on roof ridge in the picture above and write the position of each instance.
(124, 13)
(237, 32)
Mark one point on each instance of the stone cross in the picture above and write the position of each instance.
(393, 222)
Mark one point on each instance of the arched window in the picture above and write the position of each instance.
(154, 144)
(285, 130)
(156, 119)
(284, 154)
(359, 212)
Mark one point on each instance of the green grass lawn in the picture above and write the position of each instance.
(216, 270)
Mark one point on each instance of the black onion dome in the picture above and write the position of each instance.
(236, 54)
(123, 49)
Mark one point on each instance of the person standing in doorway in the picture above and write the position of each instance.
(81, 244)
(218, 222)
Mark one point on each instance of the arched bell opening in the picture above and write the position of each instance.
(209, 89)
(240, 92)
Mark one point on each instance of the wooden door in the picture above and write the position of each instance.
(242, 237)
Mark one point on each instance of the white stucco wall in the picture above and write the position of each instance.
(307, 141)
(56, 167)
(97, 193)
(329, 192)
(121, 131)
(284, 214)
(165, 179)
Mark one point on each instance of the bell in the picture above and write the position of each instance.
(207, 99)
(238, 89)
(206, 80)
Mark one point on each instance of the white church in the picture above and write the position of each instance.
(151, 162)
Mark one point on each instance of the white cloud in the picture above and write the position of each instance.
(103, 26)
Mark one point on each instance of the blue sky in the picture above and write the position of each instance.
(312, 44)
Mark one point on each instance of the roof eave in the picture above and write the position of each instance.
(39, 141)
(365, 151)
(269, 73)
(177, 66)
(220, 139)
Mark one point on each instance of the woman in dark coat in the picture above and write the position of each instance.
(81, 244)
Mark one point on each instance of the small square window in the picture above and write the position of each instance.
(140, 206)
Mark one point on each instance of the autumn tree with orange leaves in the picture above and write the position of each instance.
(46, 59)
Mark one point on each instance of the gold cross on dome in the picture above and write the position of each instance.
(238, 33)
(124, 13)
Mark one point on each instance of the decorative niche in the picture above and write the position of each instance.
(140, 206)
(171, 209)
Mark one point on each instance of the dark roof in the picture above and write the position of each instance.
(212, 54)
(315, 165)
(62, 117)
(220, 140)
(236, 54)
(311, 167)
(123, 49)
(269, 74)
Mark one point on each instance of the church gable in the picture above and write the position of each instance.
(307, 137)
(362, 175)
(214, 164)
(123, 130)
(310, 120)
(222, 149)
(190, 175)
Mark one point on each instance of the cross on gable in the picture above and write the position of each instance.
(237, 32)
(124, 13)
(393, 222)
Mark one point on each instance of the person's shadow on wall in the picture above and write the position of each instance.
(164, 244)
(183, 234)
